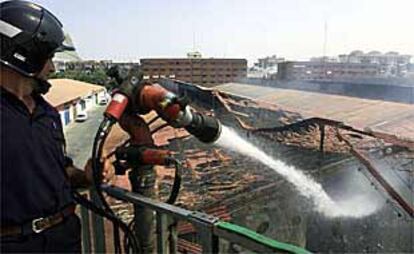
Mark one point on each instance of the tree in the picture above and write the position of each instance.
(97, 76)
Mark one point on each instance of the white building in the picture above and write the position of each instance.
(71, 96)
(61, 59)
(391, 63)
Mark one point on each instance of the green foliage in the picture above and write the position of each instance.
(97, 77)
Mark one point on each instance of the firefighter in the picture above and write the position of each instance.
(37, 207)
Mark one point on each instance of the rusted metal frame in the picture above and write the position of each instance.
(263, 191)
(185, 246)
(227, 107)
(322, 139)
(393, 139)
(311, 121)
(377, 175)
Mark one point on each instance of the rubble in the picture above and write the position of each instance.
(223, 183)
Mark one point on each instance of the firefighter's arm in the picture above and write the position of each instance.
(84, 178)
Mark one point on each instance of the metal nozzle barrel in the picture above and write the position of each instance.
(205, 128)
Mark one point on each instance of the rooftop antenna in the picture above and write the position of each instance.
(194, 39)
(193, 28)
(325, 39)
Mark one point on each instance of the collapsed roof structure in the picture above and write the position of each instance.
(353, 149)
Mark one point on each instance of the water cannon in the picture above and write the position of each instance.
(137, 97)
(132, 99)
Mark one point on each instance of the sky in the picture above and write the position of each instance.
(128, 30)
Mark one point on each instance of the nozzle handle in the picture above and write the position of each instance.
(141, 155)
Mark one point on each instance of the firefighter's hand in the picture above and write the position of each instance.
(108, 171)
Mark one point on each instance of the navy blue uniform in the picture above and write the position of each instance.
(33, 180)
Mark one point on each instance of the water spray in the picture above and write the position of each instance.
(304, 184)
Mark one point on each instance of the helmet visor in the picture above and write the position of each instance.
(66, 45)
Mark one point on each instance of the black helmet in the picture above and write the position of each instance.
(30, 35)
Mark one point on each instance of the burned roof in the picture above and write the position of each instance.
(255, 196)
(382, 116)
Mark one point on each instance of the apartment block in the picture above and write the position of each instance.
(206, 72)
(306, 70)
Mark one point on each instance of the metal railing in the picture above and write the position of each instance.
(209, 228)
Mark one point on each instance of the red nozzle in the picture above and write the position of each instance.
(117, 106)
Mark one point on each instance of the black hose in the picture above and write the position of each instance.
(99, 141)
(111, 217)
(177, 182)
(130, 241)
(101, 135)
(171, 199)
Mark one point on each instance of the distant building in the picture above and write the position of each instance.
(325, 59)
(410, 73)
(268, 62)
(61, 60)
(326, 70)
(356, 65)
(93, 65)
(71, 96)
(265, 67)
(392, 64)
(202, 71)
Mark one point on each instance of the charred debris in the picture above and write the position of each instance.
(243, 191)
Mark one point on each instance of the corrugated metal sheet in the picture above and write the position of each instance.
(389, 117)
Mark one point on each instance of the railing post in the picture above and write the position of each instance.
(98, 227)
(204, 224)
(173, 238)
(162, 233)
(209, 241)
(86, 233)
